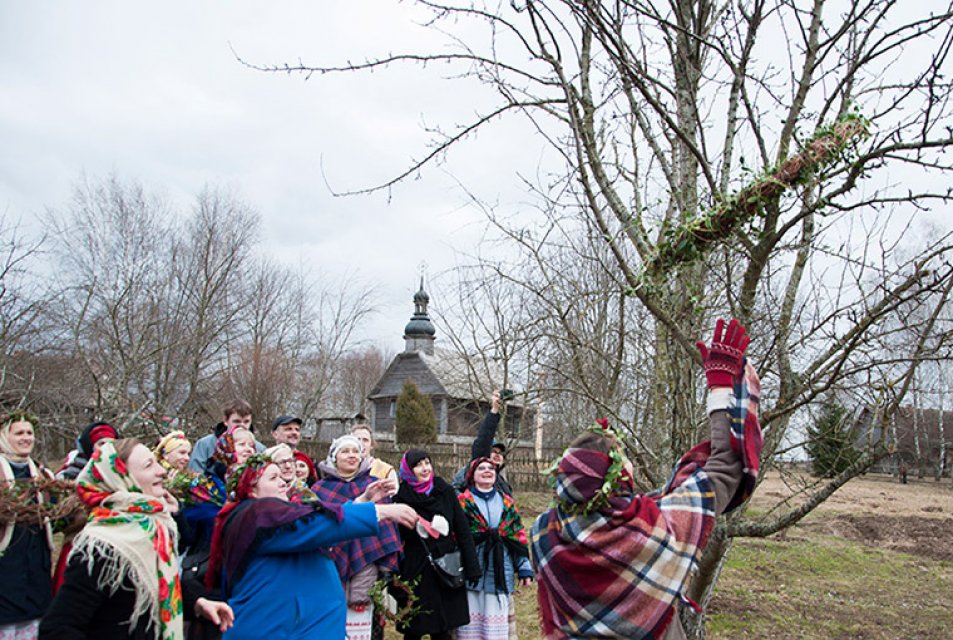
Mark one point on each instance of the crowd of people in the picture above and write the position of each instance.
(228, 538)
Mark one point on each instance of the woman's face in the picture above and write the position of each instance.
(423, 470)
(178, 458)
(146, 472)
(285, 462)
(244, 445)
(21, 438)
(348, 460)
(485, 475)
(271, 484)
(301, 469)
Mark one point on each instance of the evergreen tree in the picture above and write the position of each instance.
(415, 423)
(830, 442)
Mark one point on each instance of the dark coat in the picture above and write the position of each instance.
(444, 608)
(25, 567)
(82, 610)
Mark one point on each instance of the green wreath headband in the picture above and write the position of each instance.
(614, 474)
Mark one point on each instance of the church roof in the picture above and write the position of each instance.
(445, 373)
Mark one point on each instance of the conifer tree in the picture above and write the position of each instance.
(415, 423)
(830, 444)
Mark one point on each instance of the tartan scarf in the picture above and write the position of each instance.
(509, 533)
(351, 556)
(616, 572)
(135, 539)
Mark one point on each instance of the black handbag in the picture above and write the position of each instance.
(448, 567)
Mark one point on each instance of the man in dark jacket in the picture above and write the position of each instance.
(486, 446)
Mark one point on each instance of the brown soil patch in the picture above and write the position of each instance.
(869, 494)
(877, 511)
(919, 536)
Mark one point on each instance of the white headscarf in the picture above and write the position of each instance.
(347, 440)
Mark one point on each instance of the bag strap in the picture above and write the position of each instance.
(423, 540)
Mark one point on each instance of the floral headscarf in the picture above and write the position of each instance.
(169, 443)
(134, 536)
(225, 447)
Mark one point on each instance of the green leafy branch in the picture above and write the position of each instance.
(686, 242)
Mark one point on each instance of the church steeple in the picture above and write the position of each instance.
(419, 332)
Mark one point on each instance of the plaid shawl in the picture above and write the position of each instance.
(353, 555)
(617, 572)
(509, 533)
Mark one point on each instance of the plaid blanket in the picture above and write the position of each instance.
(353, 555)
(617, 572)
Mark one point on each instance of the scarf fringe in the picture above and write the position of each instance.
(116, 568)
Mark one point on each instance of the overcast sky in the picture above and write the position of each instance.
(154, 93)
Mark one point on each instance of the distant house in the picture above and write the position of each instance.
(923, 439)
(459, 386)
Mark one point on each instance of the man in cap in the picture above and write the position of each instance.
(287, 430)
(485, 446)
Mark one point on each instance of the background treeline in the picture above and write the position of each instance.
(130, 309)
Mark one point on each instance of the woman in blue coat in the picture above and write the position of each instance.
(268, 558)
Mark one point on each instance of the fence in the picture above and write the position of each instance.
(523, 471)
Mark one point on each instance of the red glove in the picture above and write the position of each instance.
(725, 360)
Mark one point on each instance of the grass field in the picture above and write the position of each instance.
(875, 563)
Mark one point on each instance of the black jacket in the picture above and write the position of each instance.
(82, 610)
(25, 567)
(442, 608)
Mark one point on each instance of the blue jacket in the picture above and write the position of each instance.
(291, 588)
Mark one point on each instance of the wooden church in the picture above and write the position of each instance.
(459, 386)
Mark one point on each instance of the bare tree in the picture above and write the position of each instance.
(734, 159)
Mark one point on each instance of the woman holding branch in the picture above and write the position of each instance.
(25, 547)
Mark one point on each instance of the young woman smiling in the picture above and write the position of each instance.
(25, 548)
(502, 550)
(442, 609)
(122, 577)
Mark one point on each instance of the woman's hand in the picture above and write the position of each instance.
(219, 613)
(377, 491)
(724, 361)
(402, 514)
(525, 582)
(172, 505)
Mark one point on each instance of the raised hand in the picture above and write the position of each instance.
(378, 490)
(724, 360)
